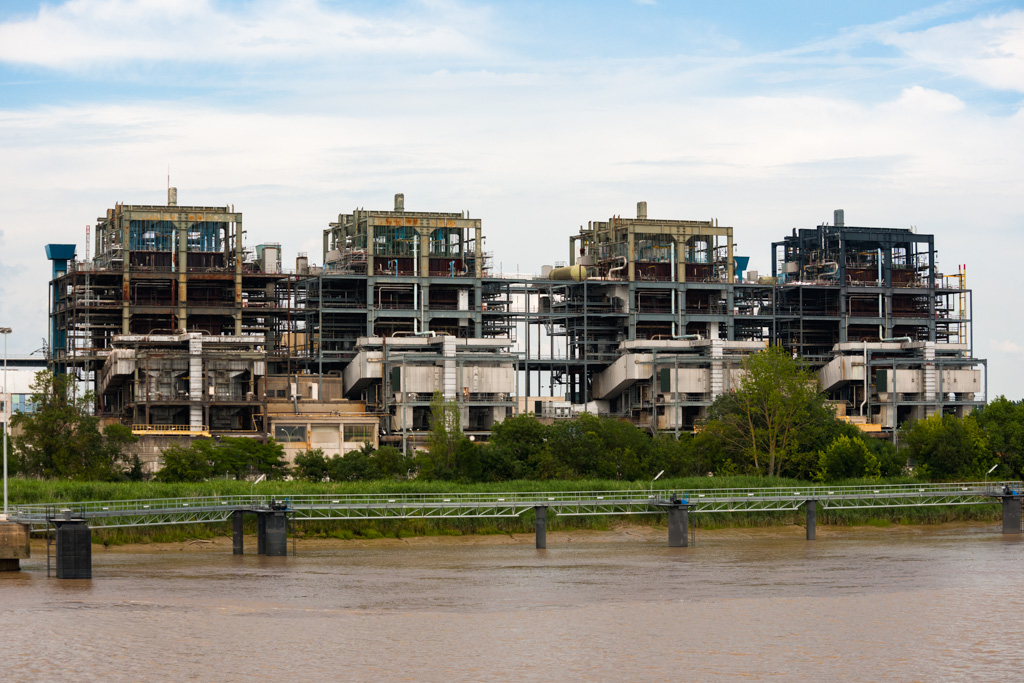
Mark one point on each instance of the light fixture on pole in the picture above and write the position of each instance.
(991, 470)
(252, 489)
(7, 411)
(656, 477)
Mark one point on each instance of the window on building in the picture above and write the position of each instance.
(359, 432)
(290, 433)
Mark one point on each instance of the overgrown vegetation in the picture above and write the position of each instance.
(62, 440)
(235, 457)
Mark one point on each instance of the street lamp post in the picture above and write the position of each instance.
(656, 477)
(988, 473)
(252, 489)
(7, 411)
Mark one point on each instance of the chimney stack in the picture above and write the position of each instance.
(641, 211)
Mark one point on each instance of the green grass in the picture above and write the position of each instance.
(47, 491)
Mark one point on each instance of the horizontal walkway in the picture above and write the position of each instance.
(194, 510)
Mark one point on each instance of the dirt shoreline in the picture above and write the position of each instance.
(624, 532)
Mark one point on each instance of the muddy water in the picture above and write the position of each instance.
(926, 603)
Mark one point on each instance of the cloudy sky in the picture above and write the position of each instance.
(534, 116)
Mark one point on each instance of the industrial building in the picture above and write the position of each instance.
(180, 328)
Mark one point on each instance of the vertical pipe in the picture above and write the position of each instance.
(478, 245)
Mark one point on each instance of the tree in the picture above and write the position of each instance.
(242, 457)
(62, 440)
(845, 458)
(191, 463)
(236, 457)
(392, 462)
(443, 440)
(1003, 423)
(514, 448)
(312, 465)
(947, 447)
(776, 400)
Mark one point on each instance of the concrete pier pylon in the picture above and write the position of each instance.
(541, 526)
(1011, 514)
(812, 519)
(678, 526)
(276, 533)
(14, 546)
(74, 548)
(237, 527)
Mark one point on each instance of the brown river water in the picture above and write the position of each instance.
(859, 604)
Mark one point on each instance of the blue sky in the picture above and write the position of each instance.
(535, 116)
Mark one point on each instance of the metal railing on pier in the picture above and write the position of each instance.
(206, 509)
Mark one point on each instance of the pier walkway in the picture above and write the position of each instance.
(273, 512)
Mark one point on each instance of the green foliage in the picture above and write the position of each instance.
(846, 458)
(62, 440)
(444, 438)
(1003, 423)
(387, 462)
(187, 463)
(777, 406)
(946, 447)
(311, 465)
(236, 457)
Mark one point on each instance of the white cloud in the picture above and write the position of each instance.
(1006, 346)
(82, 33)
(988, 49)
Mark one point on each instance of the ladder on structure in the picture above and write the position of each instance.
(51, 544)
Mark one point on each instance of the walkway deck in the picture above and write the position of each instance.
(194, 510)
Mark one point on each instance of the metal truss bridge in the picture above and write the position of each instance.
(68, 525)
(207, 509)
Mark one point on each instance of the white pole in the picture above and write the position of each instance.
(7, 411)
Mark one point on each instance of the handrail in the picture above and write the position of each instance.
(648, 496)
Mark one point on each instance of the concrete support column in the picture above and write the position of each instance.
(261, 533)
(237, 539)
(423, 254)
(679, 526)
(74, 549)
(276, 531)
(541, 525)
(1011, 514)
(14, 546)
(812, 518)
